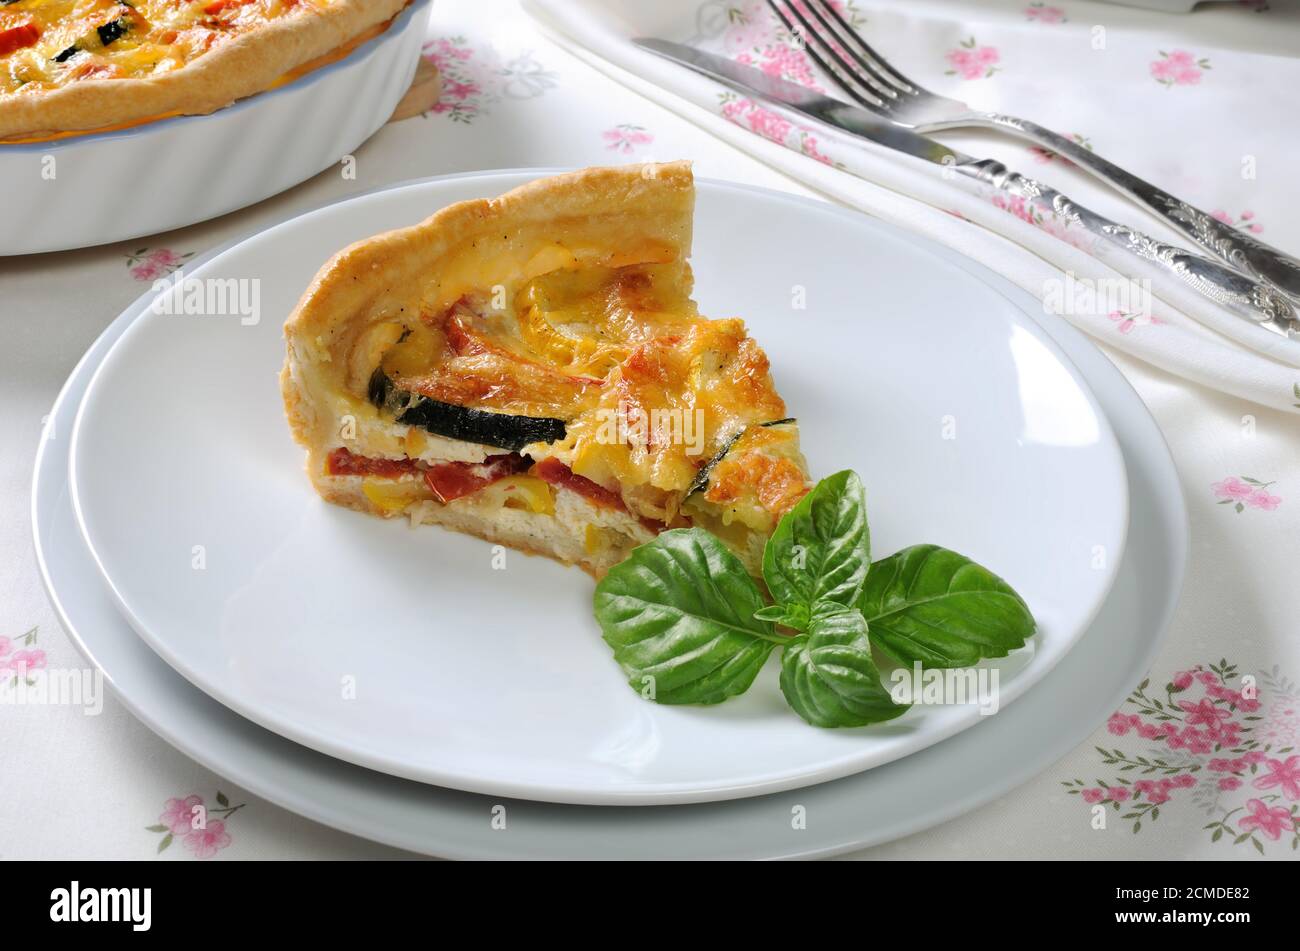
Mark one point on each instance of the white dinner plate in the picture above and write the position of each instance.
(891, 801)
(199, 167)
(968, 425)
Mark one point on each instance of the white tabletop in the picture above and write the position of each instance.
(77, 786)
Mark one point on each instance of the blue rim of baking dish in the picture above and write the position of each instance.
(399, 24)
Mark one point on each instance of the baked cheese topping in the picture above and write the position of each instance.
(641, 392)
(48, 44)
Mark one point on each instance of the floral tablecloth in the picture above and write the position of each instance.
(1201, 761)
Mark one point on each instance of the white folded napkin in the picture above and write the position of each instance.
(1043, 256)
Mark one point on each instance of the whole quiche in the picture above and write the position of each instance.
(69, 66)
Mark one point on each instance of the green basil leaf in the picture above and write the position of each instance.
(932, 605)
(821, 548)
(679, 614)
(829, 678)
(789, 615)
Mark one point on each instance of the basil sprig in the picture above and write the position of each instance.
(679, 614)
(688, 624)
(828, 676)
(821, 549)
(932, 605)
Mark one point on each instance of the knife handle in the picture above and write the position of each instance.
(1243, 296)
(1243, 252)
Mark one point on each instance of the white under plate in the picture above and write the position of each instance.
(191, 168)
(900, 798)
(497, 681)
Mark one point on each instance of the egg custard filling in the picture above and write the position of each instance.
(532, 370)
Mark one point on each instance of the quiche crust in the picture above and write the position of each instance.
(247, 64)
(603, 250)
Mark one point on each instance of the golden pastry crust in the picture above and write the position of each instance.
(563, 301)
(250, 62)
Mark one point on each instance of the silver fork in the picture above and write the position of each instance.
(869, 80)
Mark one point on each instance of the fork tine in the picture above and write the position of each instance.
(850, 84)
(878, 65)
(843, 40)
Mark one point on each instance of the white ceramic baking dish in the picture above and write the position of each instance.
(111, 186)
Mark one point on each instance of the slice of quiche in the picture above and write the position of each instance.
(532, 370)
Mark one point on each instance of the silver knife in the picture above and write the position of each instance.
(1246, 298)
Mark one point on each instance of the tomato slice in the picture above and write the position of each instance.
(449, 481)
(344, 462)
(17, 35)
(555, 472)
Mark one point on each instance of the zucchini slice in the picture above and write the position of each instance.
(113, 30)
(462, 422)
(702, 477)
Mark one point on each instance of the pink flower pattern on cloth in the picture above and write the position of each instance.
(784, 62)
(626, 138)
(187, 818)
(1271, 821)
(1041, 13)
(1207, 745)
(1283, 775)
(1242, 492)
(206, 842)
(26, 658)
(1178, 68)
(1125, 322)
(151, 264)
(179, 813)
(772, 125)
(1245, 221)
(475, 78)
(972, 61)
(749, 27)
(461, 91)
(23, 661)
(755, 37)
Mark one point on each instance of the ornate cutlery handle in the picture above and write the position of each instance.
(1243, 296)
(1240, 250)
